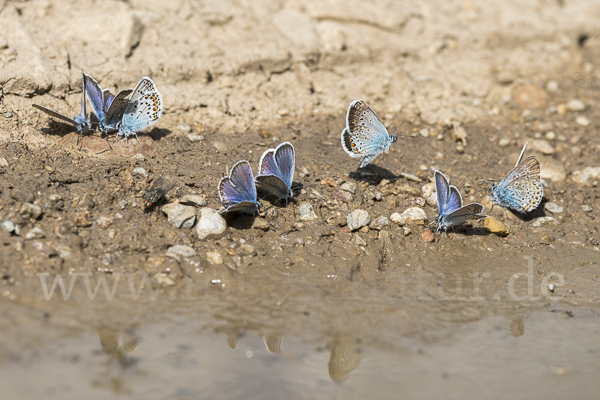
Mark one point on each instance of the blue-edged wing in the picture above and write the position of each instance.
(276, 171)
(451, 211)
(521, 190)
(364, 135)
(238, 191)
(81, 122)
(109, 109)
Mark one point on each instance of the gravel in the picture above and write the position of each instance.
(357, 219)
(180, 216)
(211, 225)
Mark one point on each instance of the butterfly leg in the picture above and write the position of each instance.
(138, 140)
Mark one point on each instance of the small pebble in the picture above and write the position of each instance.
(379, 223)
(7, 226)
(3, 162)
(198, 200)
(181, 250)
(104, 222)
(139, 171)
(551, 287)
(496, 227)
(179, 216)
(406, 230)
(35, 233)
(359, 241)
(409, 190)
(29, 210)
(307, 212)
(184, 128)
(552, 86)
(195, 138)
(554, 208)
(412, 215)
(575, 105)
(214, 257)
(427, 236)
(424, 132)
(582, 120)
(211, 224)
(246, 250)
(586, 176)
(350, 187)
(544, 221)
(357, 219)
(550, 135)
(261, 224)
(542, 146)
(504, 142)
(584, 207)
(345, 197)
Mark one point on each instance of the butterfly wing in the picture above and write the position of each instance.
(55, 114)
(285, 157)
(116, 108)
(365, 134)
(144, 108)
(463, 214)
(455, 200)
(522, 189)
(237, 191)
(95, 95)
(107, 98)
(442, 191)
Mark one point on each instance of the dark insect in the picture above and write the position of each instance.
(156, 193)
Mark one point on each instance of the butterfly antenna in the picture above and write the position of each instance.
(521, 155)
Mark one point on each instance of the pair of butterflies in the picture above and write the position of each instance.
(275, 177)
(521, 190)
(127, 113)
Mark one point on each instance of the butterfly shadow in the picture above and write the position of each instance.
(373, 175)
(57, 128)
(239, 220)
(530, 216)
(158, 133)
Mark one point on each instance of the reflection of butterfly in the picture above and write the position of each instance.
(156, 193)
(276, 171)
(143, 109)
(237, 191)
(81, 121)
(521, 190)
(365, 135)
(451, 211)
(108, 108)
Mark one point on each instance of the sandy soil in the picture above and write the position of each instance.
(382, 310)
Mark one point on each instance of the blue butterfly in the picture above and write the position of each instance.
(365, 135)
(451, 211)
(276, 171)
(81, 122)
(238, 191)
(108, 108)
(521, 190)
(143, 109)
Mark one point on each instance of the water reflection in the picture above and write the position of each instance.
(344, 358)
(517, 326)
(117, 343)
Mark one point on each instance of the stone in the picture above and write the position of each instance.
(246, 250)
(7, 226)
(82, 220)
(359, 241)
(214, 257)
(261, 224)
(306, 211)
(357, 219)
(195, 138)
(582, 120)
(586, 208)
(409, 190)
(586, 176)
(531, 97)
(552, 169)
(406, 230)
(379, 223)
(349, 187)
(575, 105)
(424, 132)
(181, 250)
(495, 226)
(427, 236)
(3, 162)
(552, 86)
(179, 216)
(553, 208)
(504, 142)
(29, 210)
(104, 222)
(139, 171)
(64, 251)
(542, 146)
(195, 199)
(429, 194)
(343, 196)
(544, 221)
(35, 233)
(412, 215)
(211, 225)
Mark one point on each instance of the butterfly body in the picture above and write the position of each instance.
(238, 191)
(521, 190)
(143, 109)
(276, 171)
(451, 211)
(365, 135)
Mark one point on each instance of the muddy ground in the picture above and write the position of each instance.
(280, 307)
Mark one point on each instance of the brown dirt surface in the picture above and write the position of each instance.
(281, 306)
